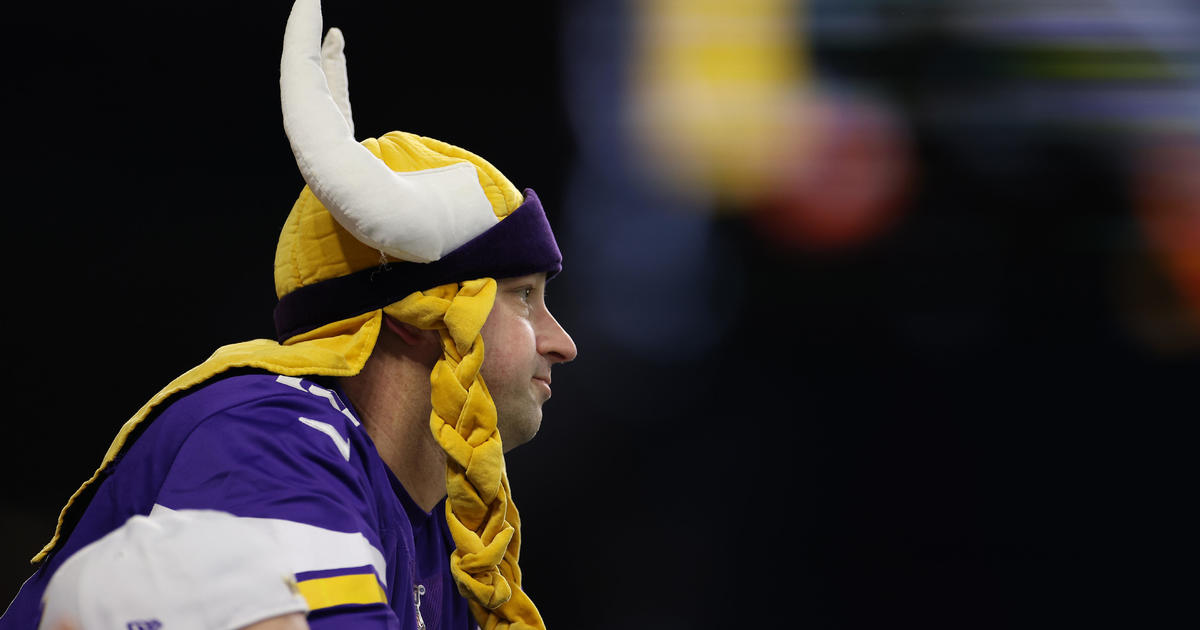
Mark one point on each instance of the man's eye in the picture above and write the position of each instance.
(526, 292)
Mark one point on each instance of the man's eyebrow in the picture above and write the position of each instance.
(531, 279)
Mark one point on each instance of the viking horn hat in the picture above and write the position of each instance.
(416, 216)
(446, 213)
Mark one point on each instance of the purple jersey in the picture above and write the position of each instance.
(290, 457)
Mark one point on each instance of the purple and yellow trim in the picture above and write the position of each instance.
(340, 587)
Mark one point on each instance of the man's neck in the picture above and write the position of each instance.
(394, 407)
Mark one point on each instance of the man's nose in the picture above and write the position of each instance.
(554, 342)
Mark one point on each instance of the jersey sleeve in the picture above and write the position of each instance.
(292, 466)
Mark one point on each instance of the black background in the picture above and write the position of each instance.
(961, 431)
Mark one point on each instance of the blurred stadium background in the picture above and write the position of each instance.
(888, 311)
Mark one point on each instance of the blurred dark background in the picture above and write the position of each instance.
(888, 312)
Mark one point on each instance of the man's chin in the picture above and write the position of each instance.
(514, 434)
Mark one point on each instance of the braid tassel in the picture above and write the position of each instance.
(480, 512)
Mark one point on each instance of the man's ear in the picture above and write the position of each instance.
(411, 335)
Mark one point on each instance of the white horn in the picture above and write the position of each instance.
(333, 63)
(418, 216)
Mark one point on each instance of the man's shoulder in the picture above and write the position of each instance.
(260, 398)
(252, 420)
(267, 446)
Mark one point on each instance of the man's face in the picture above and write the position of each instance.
(521, 343)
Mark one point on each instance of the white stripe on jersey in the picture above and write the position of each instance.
(343, 446)
(312, 548)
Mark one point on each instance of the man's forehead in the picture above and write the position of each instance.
(533, 278)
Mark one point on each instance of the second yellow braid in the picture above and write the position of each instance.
(482, 517)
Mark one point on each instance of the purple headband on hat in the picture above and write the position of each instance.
(519, 245)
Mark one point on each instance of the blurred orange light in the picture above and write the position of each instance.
(1167, 192)
(846, 185)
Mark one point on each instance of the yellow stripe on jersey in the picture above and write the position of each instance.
(342, 589)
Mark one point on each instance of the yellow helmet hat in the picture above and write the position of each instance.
(403, 226)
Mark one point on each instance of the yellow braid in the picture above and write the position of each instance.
(479, 509)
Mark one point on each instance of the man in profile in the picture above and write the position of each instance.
(369, 441)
